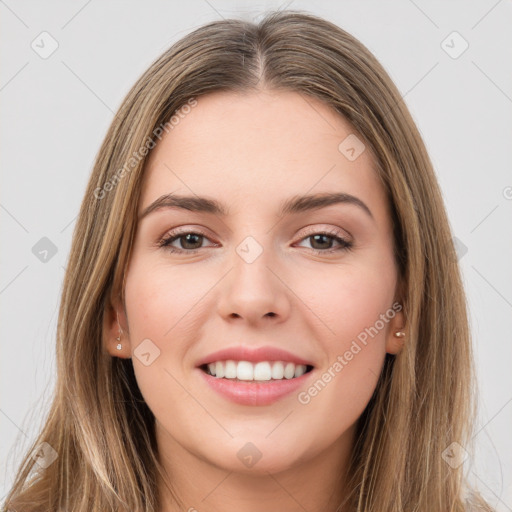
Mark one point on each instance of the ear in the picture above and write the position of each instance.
(115, 329)
(394, 343)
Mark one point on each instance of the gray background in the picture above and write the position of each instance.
(55, 112)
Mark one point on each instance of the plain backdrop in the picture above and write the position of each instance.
(66, 66)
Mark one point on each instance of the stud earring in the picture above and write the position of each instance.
(400, 334)
(118, 339)
(119, 346)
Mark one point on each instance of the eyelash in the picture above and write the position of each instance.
(345, 245)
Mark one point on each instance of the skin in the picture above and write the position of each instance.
(252, 151)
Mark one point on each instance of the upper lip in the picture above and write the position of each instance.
(254, 355)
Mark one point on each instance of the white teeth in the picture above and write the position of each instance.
(244, 370)
(300, 369)
(219, 369)
(230, 370)
(289, 371)
(261, 371)
(277, 370)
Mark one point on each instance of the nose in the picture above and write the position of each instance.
(254, 292)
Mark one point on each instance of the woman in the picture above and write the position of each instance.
(262, 307)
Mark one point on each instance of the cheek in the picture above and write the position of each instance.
(162, 301)
(168, 306)
(341, 392)
(349, 300)
(355, 306)
(162, 307)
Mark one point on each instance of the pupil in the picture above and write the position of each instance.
(325, 237)
(188, 240)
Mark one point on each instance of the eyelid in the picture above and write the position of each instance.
(339, 232)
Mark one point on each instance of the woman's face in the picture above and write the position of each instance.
(259, 273)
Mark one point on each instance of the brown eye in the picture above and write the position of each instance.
(322, 243)
(188, 241)
(191, 239)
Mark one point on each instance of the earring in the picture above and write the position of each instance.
(400, 334)
(118, 339)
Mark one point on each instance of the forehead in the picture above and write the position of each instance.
(258, 148)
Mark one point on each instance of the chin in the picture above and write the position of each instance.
(258, 454)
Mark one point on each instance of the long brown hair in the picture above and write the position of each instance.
(99, 425)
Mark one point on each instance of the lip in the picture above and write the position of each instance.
(253, 355)
(254, 393)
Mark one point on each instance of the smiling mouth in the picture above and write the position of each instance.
(264, 371)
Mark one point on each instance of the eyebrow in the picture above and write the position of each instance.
(293, 205)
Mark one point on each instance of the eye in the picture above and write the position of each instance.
(324, 240)
(190, 241)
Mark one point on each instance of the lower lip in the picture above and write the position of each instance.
(254, 393)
